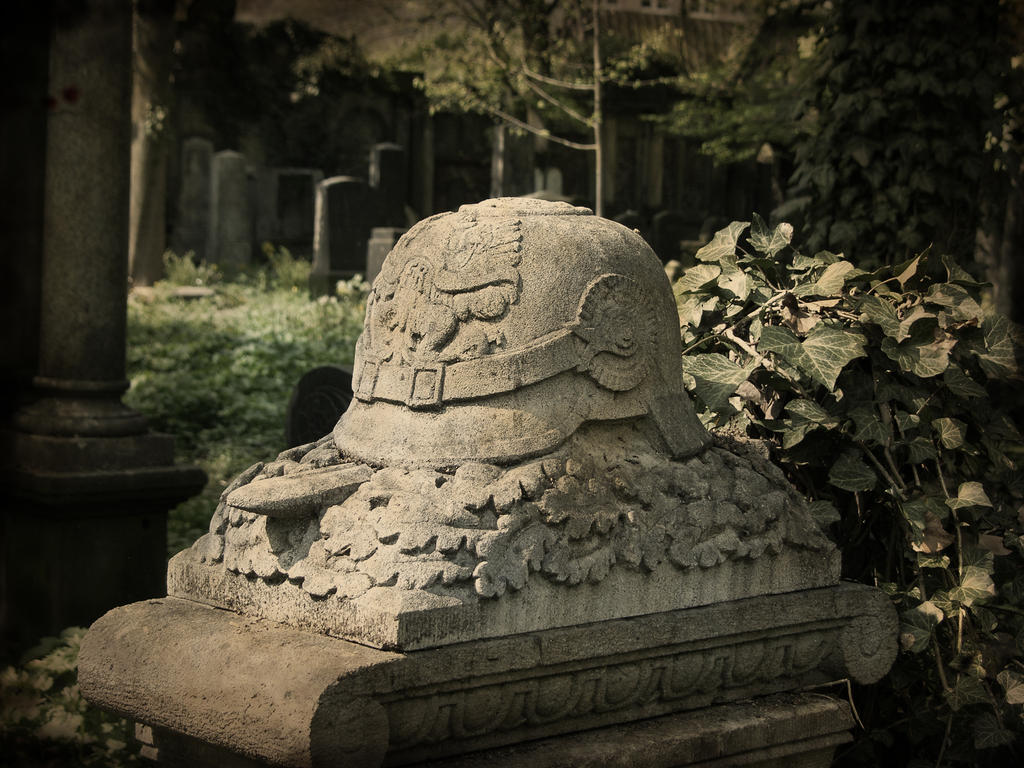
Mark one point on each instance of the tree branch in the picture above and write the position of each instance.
(538, 131)
(561, 105)
(555, 81)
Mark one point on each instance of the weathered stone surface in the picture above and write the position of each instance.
(520, 455)
(521, 500)
(296, 688)
(603, 528)
(491, 334)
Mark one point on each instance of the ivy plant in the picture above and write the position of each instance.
(892, 398)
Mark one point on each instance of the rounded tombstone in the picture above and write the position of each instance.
(493, 333)
(319, 398)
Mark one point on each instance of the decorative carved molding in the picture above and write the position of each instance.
(662, 680)
(604, 501)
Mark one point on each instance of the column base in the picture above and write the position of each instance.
(84, 528)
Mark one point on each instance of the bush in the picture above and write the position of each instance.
(44, 721)
(217, 373)
(891, 399)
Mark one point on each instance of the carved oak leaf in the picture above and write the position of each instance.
(510, 558)
(417, 538)
(592, 566)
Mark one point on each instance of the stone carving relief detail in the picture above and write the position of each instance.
(445, 307)
(604, 500)
(685, 677)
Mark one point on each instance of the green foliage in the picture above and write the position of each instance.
(288, 272)
(751, 97)
(217, 372)
(892, 399)
(905, 96)
(185, 270)
(44, 721)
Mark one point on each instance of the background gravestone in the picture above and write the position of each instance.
(382, 240)
(388, 176)
(193, 223)
(316, 404)
(344, 215)
(295, 206)
(230, 242)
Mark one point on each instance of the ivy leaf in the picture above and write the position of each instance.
(998, 360)
(870, 428)
(823, 512)
(925, 354)
(851, 473)
(907, 421)
(832, 279)
(734, 279)
(822, 355)
(966, 690)
(723, 243)
(951, 432)
(1013, 684)
(699, 276)
(717, 377)
(690, 309)
(883, 314)
(960, 384)
(906, 270)
(975, 584)
(810, 411)
(916, 626)
(970, 494)
(957, 274)
(828, 350)
(769, 243)
(919, 450)
(990, 733)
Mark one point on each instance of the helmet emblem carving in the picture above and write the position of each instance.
(617, 327)
(441, 307)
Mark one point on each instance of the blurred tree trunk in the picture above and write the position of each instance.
(153, 44)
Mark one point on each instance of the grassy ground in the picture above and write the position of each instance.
(216, 372)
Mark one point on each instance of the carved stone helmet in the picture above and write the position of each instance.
(493, 333)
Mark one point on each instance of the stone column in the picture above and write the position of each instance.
(85, 528)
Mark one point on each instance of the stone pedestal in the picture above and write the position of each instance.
(188, 670)
(87, 488)
(517, 533)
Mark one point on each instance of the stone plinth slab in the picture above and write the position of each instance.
(415, 619)
(273, 693)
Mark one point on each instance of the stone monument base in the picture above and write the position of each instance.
(219, 688)
(780, 731)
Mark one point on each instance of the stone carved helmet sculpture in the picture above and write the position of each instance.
(492, 334)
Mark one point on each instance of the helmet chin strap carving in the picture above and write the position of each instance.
(610, 339)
